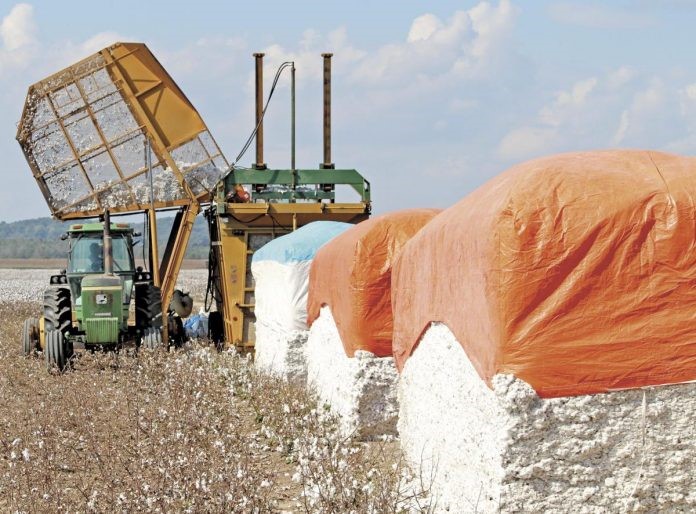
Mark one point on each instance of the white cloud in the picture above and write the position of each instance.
(434, 57)
(646, 104)
(209, 58)
(623, 128)
(578, 93)
(432, 51)
(18, 35)
(567, 102)
(490, 24)
(620, 77)
(599, 16)
(618, 109)
(464, 45)
(569, 122)
(690, 91)
(68, 51)
(307, 55)
(527, 142)
(99, 41)
(424, 27)
(687, 104)
(18, 28)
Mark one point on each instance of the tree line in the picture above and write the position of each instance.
(39, 238)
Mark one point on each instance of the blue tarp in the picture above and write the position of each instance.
(197, 326)
(302, 244)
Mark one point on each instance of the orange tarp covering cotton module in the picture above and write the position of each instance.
(352, 275)
(575, 273)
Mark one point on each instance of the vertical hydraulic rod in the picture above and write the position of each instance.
(327, 164)
(152, 221)
(259, 164)
(292, 117)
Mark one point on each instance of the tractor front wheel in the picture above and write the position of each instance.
(58, 351)
(30, 336)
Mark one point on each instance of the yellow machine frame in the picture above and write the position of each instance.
(79, 112)
(235, 252)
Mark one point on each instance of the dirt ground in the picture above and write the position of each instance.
(191, 430)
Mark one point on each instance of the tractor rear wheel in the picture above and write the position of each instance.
(148, 306)
(57, 309)
(152, 338)
(58, 351)
(30, 336)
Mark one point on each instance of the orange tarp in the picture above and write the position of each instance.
(575, 273)
(352, 275)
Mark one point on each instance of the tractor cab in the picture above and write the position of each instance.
(88, 304)
(86, 259)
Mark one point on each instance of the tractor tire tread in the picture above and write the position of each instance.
(30, 331)
(57, 309)
(148, 306)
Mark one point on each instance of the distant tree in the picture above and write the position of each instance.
(39, 238)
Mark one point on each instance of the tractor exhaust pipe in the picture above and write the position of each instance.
(327, 164)
(108, 250)
(259, 164)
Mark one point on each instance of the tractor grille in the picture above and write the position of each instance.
(101, 330)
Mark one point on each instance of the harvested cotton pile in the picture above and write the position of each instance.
(360, 390)
(544, 331)
(506, 449)
(281, 275)
(349, 351)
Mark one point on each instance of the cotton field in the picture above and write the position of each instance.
(185, 431)
(27, 285)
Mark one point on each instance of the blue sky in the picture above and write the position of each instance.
(431, 99)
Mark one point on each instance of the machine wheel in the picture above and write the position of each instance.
(30, 336)
(58, 351)
(216, 330)
(152, 338)
(57, 309)
(148, 306)
(177, 334)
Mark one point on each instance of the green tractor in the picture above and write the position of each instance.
(88, 305)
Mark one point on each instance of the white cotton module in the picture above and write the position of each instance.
(505, 449)
(359, 390)
(281, 275)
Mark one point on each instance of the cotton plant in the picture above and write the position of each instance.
(181, 431)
